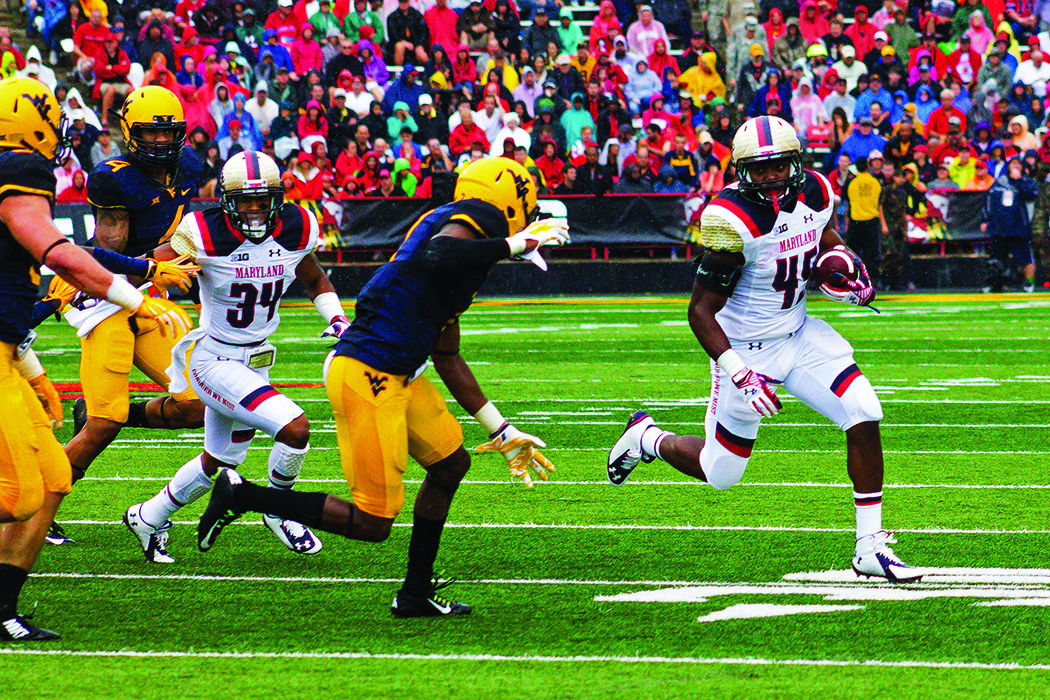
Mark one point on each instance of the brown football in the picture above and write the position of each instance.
(833, 266)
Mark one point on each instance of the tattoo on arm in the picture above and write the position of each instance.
(111, 229)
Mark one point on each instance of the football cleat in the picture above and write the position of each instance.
(153, 540)
(430, 605)
(627, 452)
(57, 535)
(79, 415)
(874, 557)
(17, 628)
(294, 536)
(220, 511)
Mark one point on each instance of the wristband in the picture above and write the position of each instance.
(490, 418)
(29, 365)
(329, 306)
(121, 264)
(123, 293)
(731, 362)
(516, 245)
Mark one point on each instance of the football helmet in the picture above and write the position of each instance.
(764, 139)
(31, 118)
(503, 183)
(254, 176)
(149, 109)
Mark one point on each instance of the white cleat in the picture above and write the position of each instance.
(874, 557)
(294, 536)
(627, 452)
(153, 540)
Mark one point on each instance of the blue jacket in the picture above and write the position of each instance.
(863, 106)
(400, 91)
(1006, 210)
(857, 145)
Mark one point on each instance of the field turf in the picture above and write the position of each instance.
(661, 588)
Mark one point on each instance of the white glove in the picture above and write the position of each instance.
(859, 292)
(519, 449)
(337, 327)
(759, 391)
(548, 232)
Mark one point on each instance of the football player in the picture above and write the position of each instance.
(34, 470)
(748, 310)
(138, 197)
(386, 410)
(251, 249)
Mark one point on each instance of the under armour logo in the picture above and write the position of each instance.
(750, 392)
(808, 218)
(377, 382)
(274, 252)
(754, 346)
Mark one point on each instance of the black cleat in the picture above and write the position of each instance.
(432, 605)
(220, 511)
(56, 534)
(79, 415)
(19, 629)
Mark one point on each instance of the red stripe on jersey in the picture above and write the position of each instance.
(740, 214)
(209, 246)
(305, 239)
(824, 189)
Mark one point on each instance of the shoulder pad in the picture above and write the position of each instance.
(816, 191)
(481, 217)
(719, 229)
(747, 219)
(298, 228)
(104, 186)
(26, 173)
(190, 166)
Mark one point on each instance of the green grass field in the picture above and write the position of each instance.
(582, 589)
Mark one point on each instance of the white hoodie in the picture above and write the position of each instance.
(43, 73)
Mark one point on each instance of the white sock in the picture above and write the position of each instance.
(285, 463)
(189, 483)
(651, 440)
(869, 512)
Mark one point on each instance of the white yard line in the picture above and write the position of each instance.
(528, 658)
(250, 522)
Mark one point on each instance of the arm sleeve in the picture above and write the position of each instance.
(446, 254)
(183, 240)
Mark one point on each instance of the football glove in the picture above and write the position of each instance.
(548, 232)
(519, 449)
(173, 273)
(859, 292)
(60, 293)
(337, 327)
(168, 322)
(759, 391)
(45, 391)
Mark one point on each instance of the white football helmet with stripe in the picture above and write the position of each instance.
(764, 139)
(251, 193)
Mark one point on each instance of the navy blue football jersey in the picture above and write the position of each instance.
(403, 309)
(122, 182)
(21, 173)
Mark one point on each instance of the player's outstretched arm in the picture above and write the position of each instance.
(29, 219)
(518, 448)
(319, 288)
(859, 292)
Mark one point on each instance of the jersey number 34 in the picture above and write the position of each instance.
(251, 296)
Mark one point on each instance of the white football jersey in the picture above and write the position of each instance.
(241, 281)
(779, 251)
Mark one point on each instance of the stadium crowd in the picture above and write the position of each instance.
(374, 97)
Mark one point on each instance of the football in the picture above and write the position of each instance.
(832, 266)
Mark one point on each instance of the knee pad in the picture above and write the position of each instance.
(861, 403)
(722, 468)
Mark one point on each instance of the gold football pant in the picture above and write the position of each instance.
(116, 345)
(380, 422)
(32, 461)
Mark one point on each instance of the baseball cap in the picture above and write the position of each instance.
(235, 122)
(284, 3)
(425, 99)
(888, 51)
(338, 92)
(875, 154)
(848, 51)
(946, 163)
(756, 50)
(384, 173)
(563, 60)
(549, 83)
(866, 121)
(751, 21)
(880, 35)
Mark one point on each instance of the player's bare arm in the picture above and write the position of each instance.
(314, 279)
(703, 306)
(111, 228)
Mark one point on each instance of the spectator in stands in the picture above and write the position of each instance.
(551, 166)
(282, 57)
(978, 32)
(740, 50)
(964, 62)
(790, 47)
(963, 167)
(669, 183)
(807, 110)
(591, 177)
(103, 148)
(306, 53)
(284, 22)
(361, 15)
(943, 181)
(407, 33)
(187, 74)
(645, 31)
(506, 27)
(981, 180)
(642, 83)
(529, 91)
(1005, 219)
(511, 130)
(441, 24)
(685, 164)
(77, 190)
(602, 25)
(939, 124)
(774, 87)
(900, 148)
(35, 69)
(401, 118)
(234, 142)
(753, 76)
(575, 118)
(569, 82)
(1034, 72)
(849, 67)
(1023, 139)
(835, 41)
(466, 133)
(862, 141)
(475, 26)
(88, 44)
(263, 109)
(155, 42)
(632, 181)
(839, 99)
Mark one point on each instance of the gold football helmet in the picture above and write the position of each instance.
(503, 183)
(149, 110)
(31, 119)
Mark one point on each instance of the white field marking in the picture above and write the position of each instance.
(939, 575)
(604, 482)
(635, 526)
(751, 611)
(524, 658)
(703, 402)
(1015, 603)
